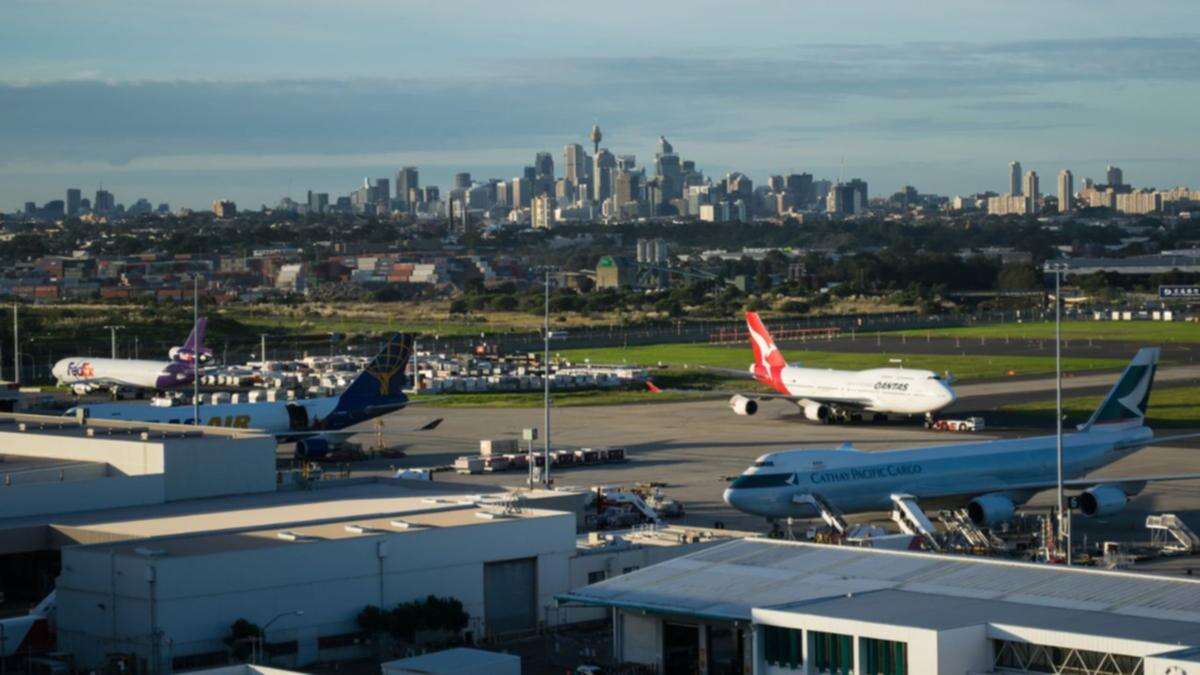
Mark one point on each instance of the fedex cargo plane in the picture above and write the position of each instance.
(84, 373)
(316, 425)
(826, 395)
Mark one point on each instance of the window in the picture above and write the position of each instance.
(883, 657)
(627, 570)
(832, 653)
(765, 462)
(782, 646)
(596, 577)
(1032, 658)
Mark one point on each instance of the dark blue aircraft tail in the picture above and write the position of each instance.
(381, 383)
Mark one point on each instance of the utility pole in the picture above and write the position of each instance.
(263, 338)
(546, 384)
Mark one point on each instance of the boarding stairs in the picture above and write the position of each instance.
(831, 514)
(957, 523)
(1167, 527)
(912, 520)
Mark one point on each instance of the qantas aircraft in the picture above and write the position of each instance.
(991, 478)
(826, 395)
(317, 425)
(84, 373)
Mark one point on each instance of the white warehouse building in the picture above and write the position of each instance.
(172, 601)
(774, 607)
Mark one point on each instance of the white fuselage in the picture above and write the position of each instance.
(100, 372)
(902, 391)
(273, 418)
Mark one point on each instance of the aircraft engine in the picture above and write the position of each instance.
(1102, 500)
(817, 412)
(81, 389)
(988, 510)
(312, 448)
(743, 405)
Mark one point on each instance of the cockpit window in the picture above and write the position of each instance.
(935, 377)
(764, 462)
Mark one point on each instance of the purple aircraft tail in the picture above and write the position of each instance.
(193, 347)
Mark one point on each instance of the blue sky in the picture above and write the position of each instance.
(184, 102)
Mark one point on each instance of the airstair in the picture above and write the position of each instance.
(829, 513)
(912, 520)
(958, 524)
(1169, 533)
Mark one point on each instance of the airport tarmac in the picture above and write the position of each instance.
(694, 447)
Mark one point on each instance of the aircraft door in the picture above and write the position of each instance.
(297, 417)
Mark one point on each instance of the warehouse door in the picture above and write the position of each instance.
(510, 595)
(681, 649)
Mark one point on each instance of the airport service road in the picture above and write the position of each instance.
(693, 446)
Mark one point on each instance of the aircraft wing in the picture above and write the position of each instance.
(856, 403)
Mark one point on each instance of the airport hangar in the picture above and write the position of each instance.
(771, 607)
(167, 534)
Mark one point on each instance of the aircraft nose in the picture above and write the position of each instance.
(731, 497)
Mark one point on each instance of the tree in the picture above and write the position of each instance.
(1018, 277)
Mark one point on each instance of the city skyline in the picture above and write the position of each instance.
(240, 100)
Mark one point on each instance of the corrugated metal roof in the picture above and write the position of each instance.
(730, 579)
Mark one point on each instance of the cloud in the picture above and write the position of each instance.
(815, 98)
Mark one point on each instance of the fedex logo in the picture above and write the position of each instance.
(81, 369)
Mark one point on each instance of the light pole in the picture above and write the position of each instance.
(546, 385)
(196, 356)
(262, 632)
(1064, 516)
(112, 329)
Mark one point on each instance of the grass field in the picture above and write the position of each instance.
(964, 368)
(1169, 407)
(1125, 331)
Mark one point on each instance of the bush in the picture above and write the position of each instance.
(406, 619)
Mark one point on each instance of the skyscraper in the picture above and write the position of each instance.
(1114, 176)
(1014, 178)
(602, 182)
(383, 191)
(104, 202)
(1066, 191)
(1032, 190)
(574, 163)
(74, 197)
(521, 192)
(408, 185)
(462, 181)
(543, 164)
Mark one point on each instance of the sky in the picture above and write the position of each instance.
(252, 100)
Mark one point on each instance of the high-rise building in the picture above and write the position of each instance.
(383, 191)
(521, 192)
(776, 184)
(541, 212)
(626, 187)
(224, 208)
(800, 188)
(1032, 190)
(462, 181)
(104, 202)
(1066, 191)
(627, 162)
(1114, 176)
(575, 164)
(1014, 178)
(74, 198)
(408, 185)
(543, 165)
(602, 182)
